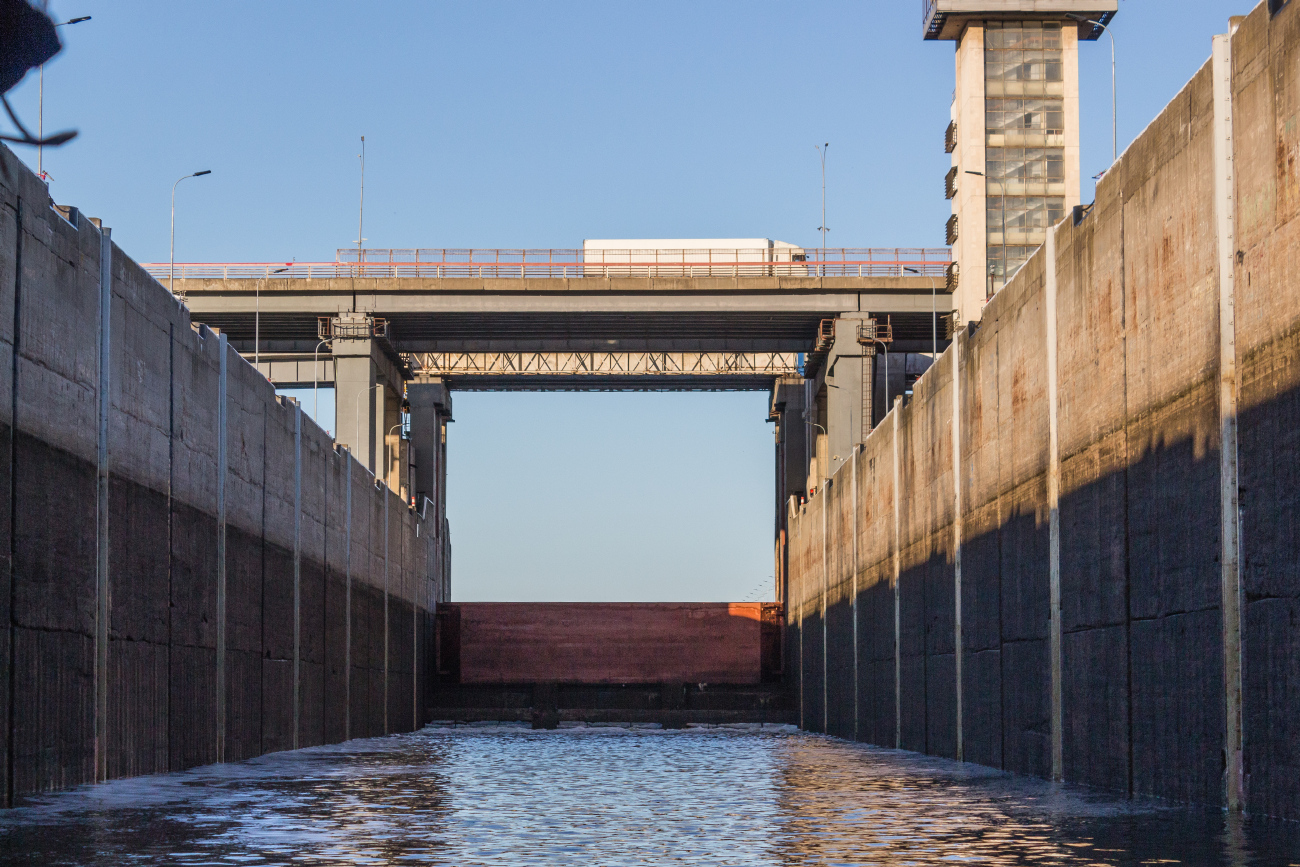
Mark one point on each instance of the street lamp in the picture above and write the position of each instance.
(934, 309)
(399, 457)
(1003, 197)
(315, 378)
(171, 268)
(1114, 132)
(363, 394)
(257, 312)
(825, 434)
(821, 149)
(40, 116)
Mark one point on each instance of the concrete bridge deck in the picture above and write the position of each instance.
(486, 314)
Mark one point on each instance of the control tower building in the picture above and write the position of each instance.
(1014, 135)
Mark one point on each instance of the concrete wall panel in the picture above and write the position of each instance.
(161, 587)
(1266, 59)
(1136, 289)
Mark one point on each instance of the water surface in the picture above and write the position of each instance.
(506, 795)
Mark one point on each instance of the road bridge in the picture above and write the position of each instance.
(424, 322)
(559, 300)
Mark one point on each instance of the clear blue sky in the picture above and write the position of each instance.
(498, 124)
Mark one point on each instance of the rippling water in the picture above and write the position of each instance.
(501, 795)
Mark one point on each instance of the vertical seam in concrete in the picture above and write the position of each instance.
(956, 537)
(854, 608)
(1053, 509)
(801, 564)
(102, 606)
(325, 576)
(898, 659)
(415, 625)
(1128, 584)
(13, 497)
(261, 572)
(386, 535)
(297, 570)
(347, 605)
(925, 621)
(825, 503)
(171, 484)
(222, 461)
(1002, 669)
(1228, 469)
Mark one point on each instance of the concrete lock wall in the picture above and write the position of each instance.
(160, 610)
(1090, 586)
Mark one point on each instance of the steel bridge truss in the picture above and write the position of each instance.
(615, 371)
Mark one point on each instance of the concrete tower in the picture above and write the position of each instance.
(1014, 136)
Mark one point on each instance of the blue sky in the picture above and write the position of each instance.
(497, 124)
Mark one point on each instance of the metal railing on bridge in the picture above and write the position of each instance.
(577, 263)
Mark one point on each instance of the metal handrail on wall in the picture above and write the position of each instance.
(576, 263)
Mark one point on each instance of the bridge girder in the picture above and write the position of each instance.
(563, 371)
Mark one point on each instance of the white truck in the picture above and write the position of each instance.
(692, 257)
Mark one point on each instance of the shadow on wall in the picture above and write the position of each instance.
(1142, 657)
(1112, 366)
(193, 572)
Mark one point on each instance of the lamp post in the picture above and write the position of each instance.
(315, 377)
(171, 268)
(257, 316)
(1003, 197)
(399, 457)
(364, 393)
(828, 439)
(1114, 131)
(821, 149)
(934, 309)
(40, 112)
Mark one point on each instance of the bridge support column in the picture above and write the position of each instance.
(844, 422)
(786, 409)
(430, 412)
(842, 398)
(368, 393)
